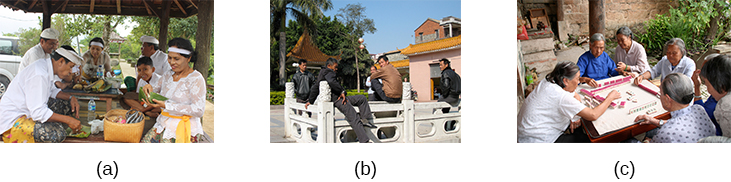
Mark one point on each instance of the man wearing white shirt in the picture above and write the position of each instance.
(24, 114)
(48, 43)
(159, 59)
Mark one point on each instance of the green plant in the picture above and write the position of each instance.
(691, 21)
(276, 98)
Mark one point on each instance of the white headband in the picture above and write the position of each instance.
(181, 51)
(97, 44)
(71, 56)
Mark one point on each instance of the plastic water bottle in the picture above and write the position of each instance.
(99, 72)
(92, 110)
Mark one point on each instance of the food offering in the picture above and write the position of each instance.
(148, 97)
(98, 86)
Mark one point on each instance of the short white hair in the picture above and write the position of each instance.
(596, 37)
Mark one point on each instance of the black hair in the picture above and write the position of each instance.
(625, 31)
(303, 61)
(154, 46)
(55, 55)
(716, 71)
(446, 61)
(331, 61)
(96, 39)
(562, 70)
(182, 43)
(384, 57)
(144, 60)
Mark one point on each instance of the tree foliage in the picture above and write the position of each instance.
(693, 21)
(303, 11)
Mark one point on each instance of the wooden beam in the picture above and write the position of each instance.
(191, 3)
(16, 3)
(46, 15)
(32, 4)
(91, 6)
(164, 22)
(59, 6)
(147, 6)
(180, 7)
(119, 7)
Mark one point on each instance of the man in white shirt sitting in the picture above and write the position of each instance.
(24, 114)
(159, 59)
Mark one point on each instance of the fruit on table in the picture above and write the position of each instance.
(78, 86)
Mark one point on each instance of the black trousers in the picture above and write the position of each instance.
(380, 95)
(352, 117)
(451, 99)
(579, 136)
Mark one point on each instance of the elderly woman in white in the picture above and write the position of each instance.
(185, 88)
(674, 61)
(549, 110)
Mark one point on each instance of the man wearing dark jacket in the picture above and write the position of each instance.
(303, 81)
(343, 103)
(451, 84)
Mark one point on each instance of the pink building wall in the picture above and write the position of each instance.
(419, 70)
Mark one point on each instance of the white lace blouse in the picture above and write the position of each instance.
(187, 96)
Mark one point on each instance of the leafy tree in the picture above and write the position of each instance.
(354, 18)
(302, 11)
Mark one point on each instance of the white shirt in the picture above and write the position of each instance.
(187, 96)
(32, 55)
(663, 68)
(368, 84)
(155, 77)
(160, 62)
(28, 95)
(546, 113)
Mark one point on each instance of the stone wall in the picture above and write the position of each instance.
(618, 13)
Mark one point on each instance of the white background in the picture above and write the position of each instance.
(242, 151)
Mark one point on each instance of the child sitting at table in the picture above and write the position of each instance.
(145, 75)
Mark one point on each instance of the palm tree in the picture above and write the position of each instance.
(302, 11)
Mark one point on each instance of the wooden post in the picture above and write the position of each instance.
(164, 21)
(46, 15)
(203, 37)
(596, 17)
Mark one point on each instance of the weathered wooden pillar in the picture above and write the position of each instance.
(164, 21)
(203, 37)
(596, 16)
(46, 15)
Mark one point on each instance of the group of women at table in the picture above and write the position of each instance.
(553, 111)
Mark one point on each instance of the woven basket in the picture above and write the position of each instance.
(117, 132)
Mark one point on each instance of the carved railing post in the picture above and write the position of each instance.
(288, 100)
(409, 130)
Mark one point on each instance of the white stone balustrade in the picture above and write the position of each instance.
(395, 122)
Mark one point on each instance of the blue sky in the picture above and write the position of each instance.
(396, 20)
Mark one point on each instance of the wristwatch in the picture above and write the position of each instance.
(661, 122)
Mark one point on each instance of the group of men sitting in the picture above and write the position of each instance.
(385, 83)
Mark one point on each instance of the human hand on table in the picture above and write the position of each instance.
(590, 82)
(638, 79)
(647, 120)
(613, 95)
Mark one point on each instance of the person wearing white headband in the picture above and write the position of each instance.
(25, 116)
(48, 42)
(95, 57)
(159, 58)
(185, 88)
